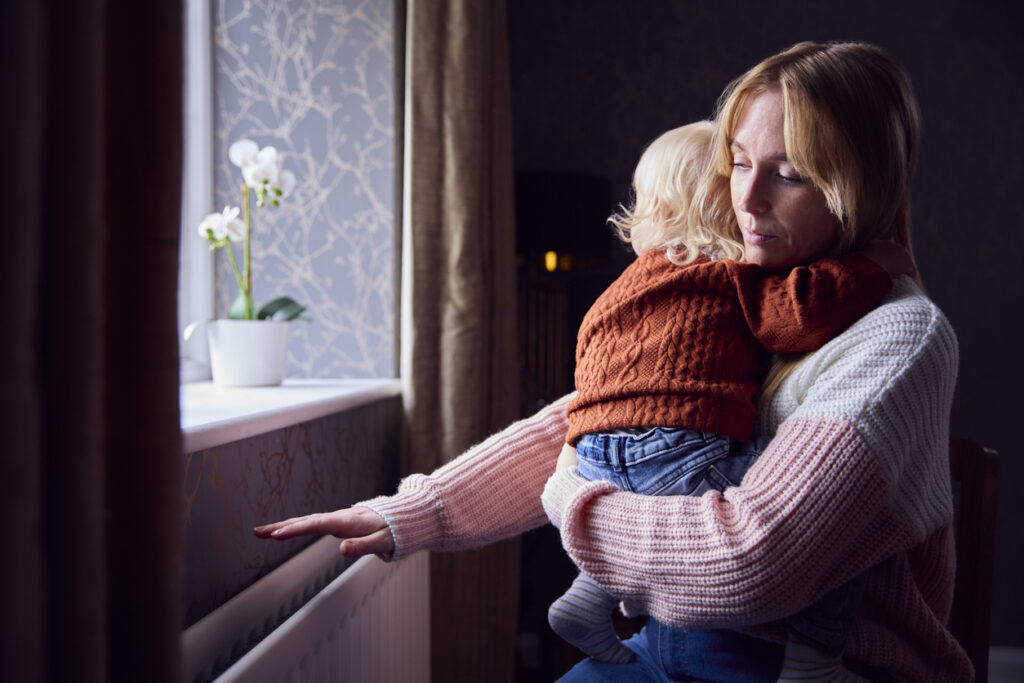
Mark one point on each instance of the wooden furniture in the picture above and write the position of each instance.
(974, 470)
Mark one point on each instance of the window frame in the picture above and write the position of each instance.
(196, 287)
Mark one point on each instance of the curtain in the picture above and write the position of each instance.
(88, 397)
(458, 357)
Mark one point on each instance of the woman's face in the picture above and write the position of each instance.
(783, 216)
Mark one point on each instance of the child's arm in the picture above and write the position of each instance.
(802, 310)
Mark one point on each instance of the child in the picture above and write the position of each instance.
(671, 355)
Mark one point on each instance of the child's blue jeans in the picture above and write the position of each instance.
(666, 461)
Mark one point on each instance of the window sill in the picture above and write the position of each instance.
(212, 415)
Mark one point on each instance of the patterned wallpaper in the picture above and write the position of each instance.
(323, 464)
(314, 78)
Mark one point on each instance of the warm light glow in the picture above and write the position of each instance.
(550, 261)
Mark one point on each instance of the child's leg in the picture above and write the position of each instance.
(651, 461)
(825, 624)
(582, 616)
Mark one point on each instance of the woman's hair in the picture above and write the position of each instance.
(663, 213)
(851, 126)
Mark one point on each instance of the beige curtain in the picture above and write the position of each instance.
(458, 358)
(91, 456)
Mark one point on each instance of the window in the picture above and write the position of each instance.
(314, 79)
(195, 277)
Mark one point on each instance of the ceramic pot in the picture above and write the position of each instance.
(248, 353)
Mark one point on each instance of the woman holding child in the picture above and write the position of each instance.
(813, 152)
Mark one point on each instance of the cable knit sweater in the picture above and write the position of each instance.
(687, 346)
(855, 479)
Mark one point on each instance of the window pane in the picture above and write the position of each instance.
(314, 79)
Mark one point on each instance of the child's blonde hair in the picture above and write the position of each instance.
(664, 214)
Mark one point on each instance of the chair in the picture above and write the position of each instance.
(974, 470)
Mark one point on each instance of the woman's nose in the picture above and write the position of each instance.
(753, 196)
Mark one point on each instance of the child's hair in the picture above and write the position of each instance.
(664, 214)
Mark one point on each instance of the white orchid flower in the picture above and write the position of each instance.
(263, 169)
(243, 152)
(217, 226)
(286, 183)
(234, 227)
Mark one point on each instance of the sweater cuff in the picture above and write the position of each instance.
(412, 515)
(567, 493)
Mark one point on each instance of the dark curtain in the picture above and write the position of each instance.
(88, 395)
(458, 337)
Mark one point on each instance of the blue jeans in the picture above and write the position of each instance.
(666, 654)
(666, 461)
(670, 654)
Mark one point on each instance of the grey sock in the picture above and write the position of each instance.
(582, 616)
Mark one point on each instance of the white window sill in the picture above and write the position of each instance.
(212, 415)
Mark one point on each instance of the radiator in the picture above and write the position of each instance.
(370, 624)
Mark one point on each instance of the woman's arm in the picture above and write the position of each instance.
(855, 475)
(490, 492)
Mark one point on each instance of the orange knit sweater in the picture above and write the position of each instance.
(688, 346)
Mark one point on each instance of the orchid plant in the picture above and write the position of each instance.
(262, 175)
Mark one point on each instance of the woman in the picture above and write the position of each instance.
(818, 145)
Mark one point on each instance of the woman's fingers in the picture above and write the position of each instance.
(364, 530)
(267, 529)
(320, 523)
(289, 528)
(379, 543)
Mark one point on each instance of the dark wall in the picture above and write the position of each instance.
(594, 81)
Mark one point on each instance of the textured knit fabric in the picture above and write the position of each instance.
(856, 479)
(687, 346)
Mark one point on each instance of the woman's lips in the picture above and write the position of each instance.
(757, 238)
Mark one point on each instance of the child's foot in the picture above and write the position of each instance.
(583, 618)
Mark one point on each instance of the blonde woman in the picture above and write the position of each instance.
(671, 355)
(816, 146)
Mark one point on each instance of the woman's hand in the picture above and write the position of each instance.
(567, 458)
(363, 530)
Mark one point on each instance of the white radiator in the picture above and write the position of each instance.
(369, 625)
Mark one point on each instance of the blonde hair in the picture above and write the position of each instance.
(852, 126)
(663, 212)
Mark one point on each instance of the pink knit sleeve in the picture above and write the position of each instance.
(490, 492)
(754, 554)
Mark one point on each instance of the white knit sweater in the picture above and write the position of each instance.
(855, 479)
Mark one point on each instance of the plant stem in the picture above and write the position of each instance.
(234, 266)
(250, 314)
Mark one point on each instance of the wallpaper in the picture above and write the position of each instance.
(323, 464)
(314, 79)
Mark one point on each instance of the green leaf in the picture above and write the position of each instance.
(282, 308)
(240, 307)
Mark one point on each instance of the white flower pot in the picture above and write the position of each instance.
(248, 353)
